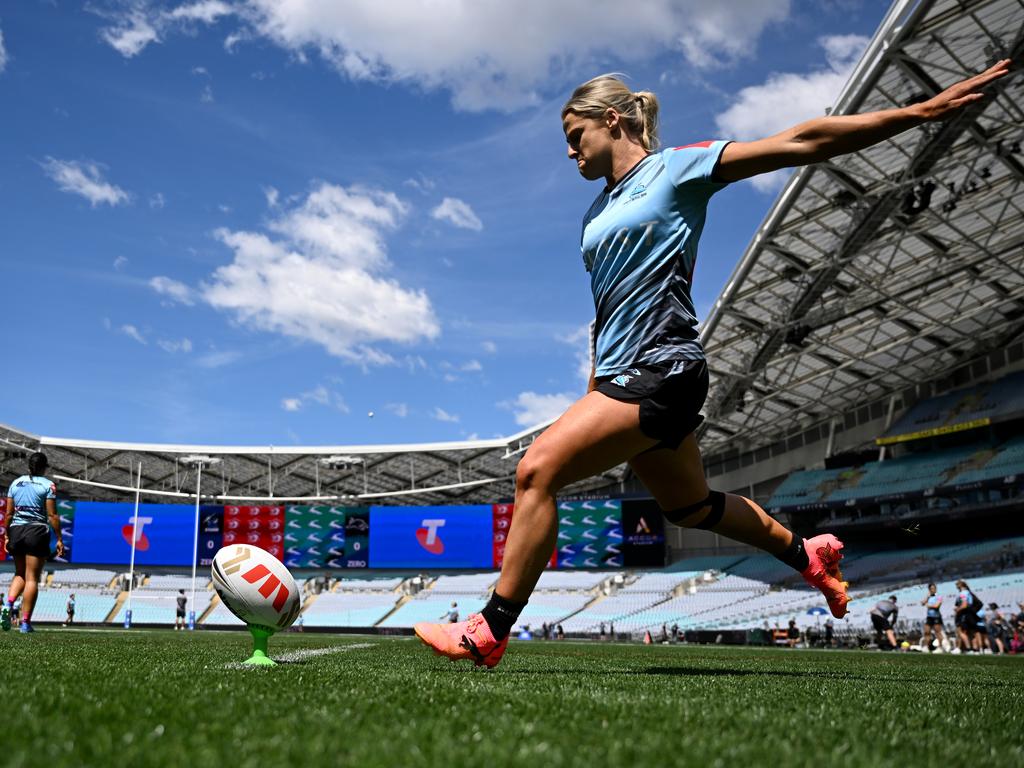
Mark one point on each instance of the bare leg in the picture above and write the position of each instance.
(676, 479)
(18, 582)
(595, 434)
(33, 569)
(891, 637)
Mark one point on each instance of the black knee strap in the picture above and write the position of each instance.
(714, 499)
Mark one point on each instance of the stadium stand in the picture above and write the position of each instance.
(167, 583)
(82, 577)
(158, 607)
(427, 606)
(350, 609)
(90, 606)
(346, 584)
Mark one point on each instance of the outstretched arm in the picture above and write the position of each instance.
(825, 137)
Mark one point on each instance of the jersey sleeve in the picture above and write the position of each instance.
(51, 492)
(694, 163)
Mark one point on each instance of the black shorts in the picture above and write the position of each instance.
(669, 403)
(880, 623)
(29, 540)
(967, 620)
(932, 621)
(179, 614)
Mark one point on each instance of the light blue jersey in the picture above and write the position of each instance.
(640, 246)
(30, 493)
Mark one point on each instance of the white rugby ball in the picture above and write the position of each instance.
(256, 587)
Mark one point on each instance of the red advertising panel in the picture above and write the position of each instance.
(501, 516)
(262, 527)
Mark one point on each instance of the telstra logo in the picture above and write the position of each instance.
(141, 541)
(428, 538)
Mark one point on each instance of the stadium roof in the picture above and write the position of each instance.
(888, 267)
(872, 272)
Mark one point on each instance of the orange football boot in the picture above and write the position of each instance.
(824, 553)
(470, 639)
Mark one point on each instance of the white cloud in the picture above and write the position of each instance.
(137, 23)
(531, 408)
(442, 415)
(401, 410)
(489, 347)
(457, 213)
(579, 340)
(472, 365)
(84, 178)
(172, 346)
(489, 54)
(207, 11)
(157, 201)
(133, 333)
(173, 289)
(325, 279)
(218, 358)
(420, 183)
(119, 262)
(131, 33)
(206, 97)
(3, 52)
(319, 395)
(272, 196)
(786, 99)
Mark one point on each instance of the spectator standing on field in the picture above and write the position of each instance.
(179, 613)
(966, 617)
(452, 614)
(792, 634)
(997, 627)
(933, 617)
(71, 610)
(883, 618)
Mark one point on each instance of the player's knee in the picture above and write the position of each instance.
(704, 514)
(533, 473)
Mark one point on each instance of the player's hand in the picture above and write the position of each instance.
(60, 548)
(957, 96)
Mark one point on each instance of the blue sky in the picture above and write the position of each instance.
(258, 222)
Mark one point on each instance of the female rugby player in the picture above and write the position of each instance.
(650, 379)
(31, 511)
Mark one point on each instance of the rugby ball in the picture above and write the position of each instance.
(256, 587)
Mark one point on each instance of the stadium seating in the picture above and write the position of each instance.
(91, 606)
(571, 580)
(356, 609)
(429, 607)
(82, 577)
(912, 472)
(169, 583)
(153, 607)
(220, 616)
(464, 584)
(1001, 399)
(346, 584)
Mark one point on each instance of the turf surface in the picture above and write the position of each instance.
(111, 698)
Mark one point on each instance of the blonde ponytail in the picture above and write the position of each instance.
(639, 111)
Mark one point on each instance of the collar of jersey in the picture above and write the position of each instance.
(629, 174)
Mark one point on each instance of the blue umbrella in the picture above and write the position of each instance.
(817, 611)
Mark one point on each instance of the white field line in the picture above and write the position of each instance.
(308, 653)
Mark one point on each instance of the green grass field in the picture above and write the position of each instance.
(147, 698)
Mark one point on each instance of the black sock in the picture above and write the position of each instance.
(794, 555)
(501, 614)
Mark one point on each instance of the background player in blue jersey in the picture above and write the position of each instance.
(650, 379)
(31, 511)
